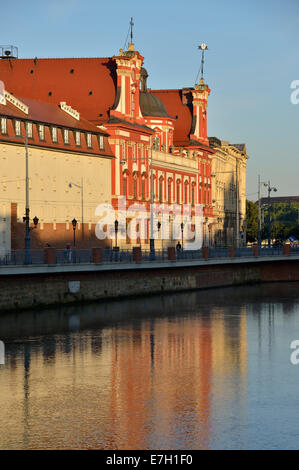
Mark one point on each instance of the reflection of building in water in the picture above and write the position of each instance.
(153, 383)
(229, 358)
(177, 373)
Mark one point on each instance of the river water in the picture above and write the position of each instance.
(201, 370)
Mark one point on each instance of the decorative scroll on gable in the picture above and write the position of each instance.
(69, 110)
(16, 102)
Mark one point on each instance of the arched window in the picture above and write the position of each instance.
(169, 192)
(178, 187)
(160, 190)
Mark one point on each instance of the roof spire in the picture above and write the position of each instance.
(131, 45)
(203, 47)
(131, 25)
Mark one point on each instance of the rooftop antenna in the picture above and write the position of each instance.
(203, 47)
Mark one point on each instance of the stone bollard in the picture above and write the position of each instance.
(137, 255)
(50, 255)
(286, 249)
(255, 250)
(171, 253)
(97, 254)
(205, 252)
(231, 251)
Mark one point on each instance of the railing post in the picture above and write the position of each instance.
(231, 251)
(97, 254)
(286, 250)
(50, 255)
(171, 253)
(205, 252)
(255, 250)
(137, 255)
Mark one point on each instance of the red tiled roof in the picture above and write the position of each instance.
(172, 100)
(86, 84)
(48, 114)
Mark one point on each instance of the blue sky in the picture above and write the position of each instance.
(252, 59)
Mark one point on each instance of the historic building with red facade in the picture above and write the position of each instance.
(163, 131)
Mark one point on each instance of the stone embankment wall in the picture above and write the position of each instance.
(37, 287)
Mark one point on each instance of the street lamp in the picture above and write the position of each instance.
(35, 221)
(26, 218)
(182, 230)
(116, 230)
(270, 188)
(259, 229)
(159, 227)
(74, 224)
(82, 203)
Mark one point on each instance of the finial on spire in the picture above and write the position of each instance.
(131, 25)
(203, 47)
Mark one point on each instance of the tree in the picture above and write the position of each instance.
(252, 221)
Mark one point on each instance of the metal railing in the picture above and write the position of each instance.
(108, 256)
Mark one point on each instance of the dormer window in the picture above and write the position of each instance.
(41, 131)
(101, 142)
(88, 140)
(78, 138)
(54, 135)
(18, 128)
(29, 130)
(3, 126)
(66, 136)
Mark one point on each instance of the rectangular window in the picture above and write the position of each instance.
(124, 187)
(186, 194)
(3, 126)
(178, 193)
(135, 189)
(169, 193)
(160, 191)
(41, 132)
(66, 136)
(78, 138)
(192, 196)
(18, 128)
(29, 130)
(54, 135)
(88, 140)
(101, 142)
(143, 189)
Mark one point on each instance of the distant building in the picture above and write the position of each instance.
(229, 191)
(279, 200)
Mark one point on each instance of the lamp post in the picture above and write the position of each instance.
(74, 224)
(116, 231)
(159, 227)
(26, 218)
(182, 230)
(270, 188)
(82, 204)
